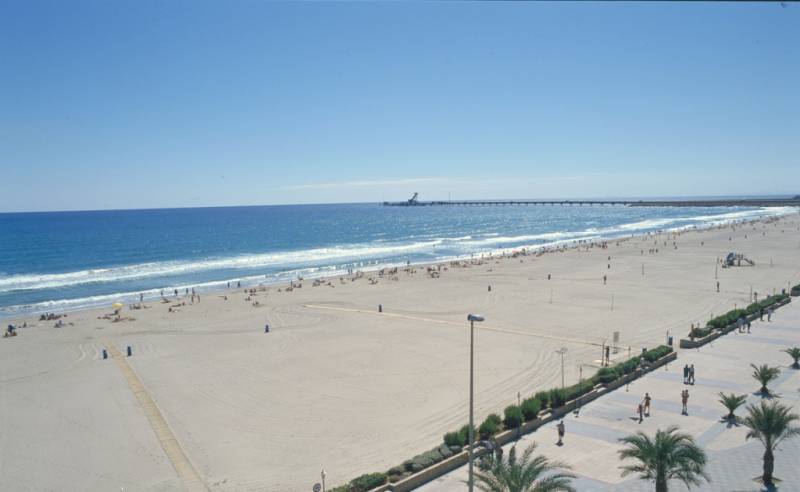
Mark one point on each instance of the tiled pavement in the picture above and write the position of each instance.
(591, 444)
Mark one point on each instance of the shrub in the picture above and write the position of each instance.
(530, 408)
(456, 439)
(464, 431)
(606, 375)
(513, 416)
(576, 390)
(700, 332)
(629, 365)
(367, 482)
(490, 426)
(795, 290)
(657, 353)
(726, 319)
(557, 397)
(544, 398)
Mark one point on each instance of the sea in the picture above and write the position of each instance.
(61, 261)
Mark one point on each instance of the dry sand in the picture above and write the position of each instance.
(336, 385)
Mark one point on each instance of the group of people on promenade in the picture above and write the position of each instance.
(688, 374)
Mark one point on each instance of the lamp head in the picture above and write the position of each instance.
(474, 317)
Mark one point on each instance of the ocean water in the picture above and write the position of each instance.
(59, 261)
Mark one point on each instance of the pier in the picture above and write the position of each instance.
(745, 202)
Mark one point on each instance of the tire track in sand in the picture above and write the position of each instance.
(186, 471)
(453, 323)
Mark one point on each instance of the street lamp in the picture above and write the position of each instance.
(561, 352)
(472, 318)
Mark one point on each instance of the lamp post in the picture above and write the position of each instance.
(561, 352)
(472, 318)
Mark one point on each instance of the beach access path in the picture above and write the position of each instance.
(591, 443)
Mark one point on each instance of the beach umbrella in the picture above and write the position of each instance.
(117, 305)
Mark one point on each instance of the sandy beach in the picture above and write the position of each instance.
(337, 384)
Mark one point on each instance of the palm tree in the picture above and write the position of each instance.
(770, 423)
(670, 455)
(524, 475)
(794, 353)
(764, 374)
(731, 402)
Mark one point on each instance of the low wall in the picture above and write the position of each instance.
(699, 342)
(505, 437)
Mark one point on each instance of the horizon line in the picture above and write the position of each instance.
(608, 198)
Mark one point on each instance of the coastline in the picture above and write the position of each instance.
(325, 273)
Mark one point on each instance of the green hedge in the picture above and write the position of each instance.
(367, 482)
(460, 437)
(730, 317)
(657, 353)
(363, 483)
(544, 398)
(530, 408)
(512, 417)
(606, 375)
(490, 426)
(795, 290)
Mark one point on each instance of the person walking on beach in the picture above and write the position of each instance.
(691, 374)
(717, 285)
(560, 428)
(640, 411)
(647, 400)
(685, 402)
(686, 374)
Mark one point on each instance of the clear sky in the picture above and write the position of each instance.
(113, 104)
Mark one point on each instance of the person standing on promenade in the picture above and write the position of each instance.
(560, 428)
(685, 402)
(769, 313)
(686, 371)
(691, 374)
(640, 411)
(647, 401)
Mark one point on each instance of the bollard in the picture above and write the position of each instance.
(105, 354)
(130, 352)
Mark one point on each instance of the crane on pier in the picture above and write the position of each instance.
(413, 199)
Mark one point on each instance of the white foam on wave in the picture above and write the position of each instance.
(170, 268)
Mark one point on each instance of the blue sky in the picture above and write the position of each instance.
(168, 104)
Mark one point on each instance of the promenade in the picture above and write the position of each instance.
(591, 443)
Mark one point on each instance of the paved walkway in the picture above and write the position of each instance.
(591, 444)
